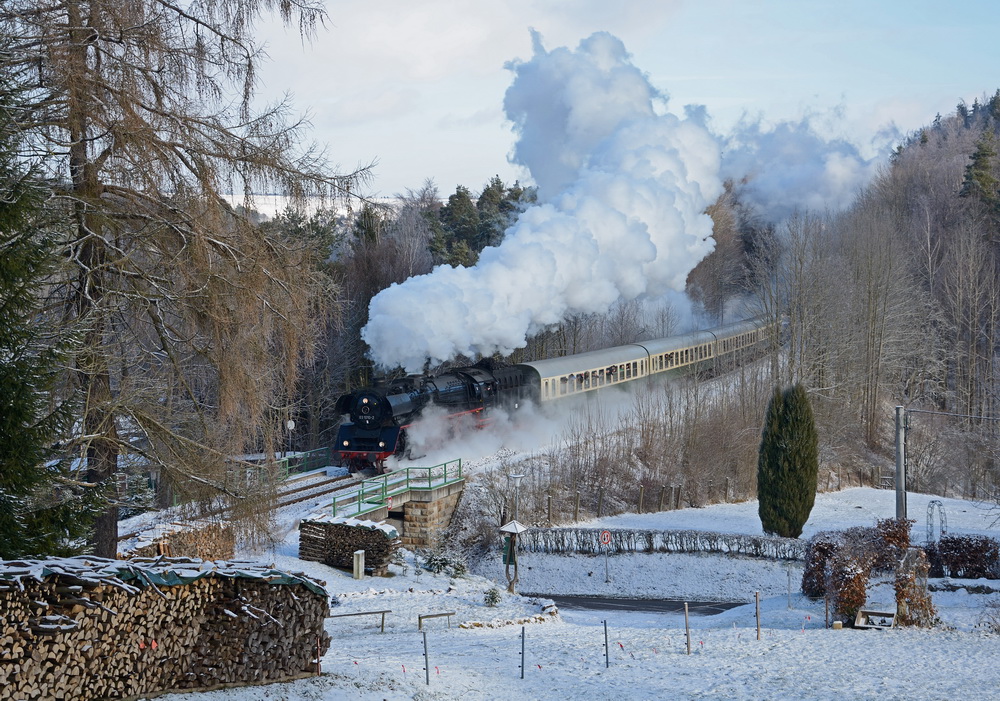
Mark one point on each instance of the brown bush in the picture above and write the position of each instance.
(965, 556)
(913, 603)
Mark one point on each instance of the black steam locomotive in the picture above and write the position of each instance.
(380, 416)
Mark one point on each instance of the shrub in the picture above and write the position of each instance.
(989, 620)
(849, 583)
(892, 540)
(882, 546)
(822, 547)
(492, 597)
(913, 603)
(964, 556)
(445, 563)
(840, 564)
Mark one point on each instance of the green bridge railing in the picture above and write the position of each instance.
(374, 493)
(303, 462)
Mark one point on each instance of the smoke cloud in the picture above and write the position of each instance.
(622, 185)
(790, 166)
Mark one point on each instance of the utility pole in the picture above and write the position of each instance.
(900, 463)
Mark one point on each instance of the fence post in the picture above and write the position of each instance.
(359, 564)
(687, 627)
(576, 508)
(427, 661)
(757, 600)
(600, 501)
(663, 489)
(642, 493)
(549, 499)
(607, 656)
(522, 652)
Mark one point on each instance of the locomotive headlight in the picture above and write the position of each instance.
(364, 400)
(381, 444)
(346, 443)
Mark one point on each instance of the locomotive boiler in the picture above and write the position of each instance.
(379, 417)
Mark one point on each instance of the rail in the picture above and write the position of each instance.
(422, 617)
(364, 613)
(375, 493)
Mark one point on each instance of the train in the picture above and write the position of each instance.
(377, 419)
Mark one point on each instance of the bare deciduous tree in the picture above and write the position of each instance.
(194, 323)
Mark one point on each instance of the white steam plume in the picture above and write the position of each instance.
(622, 195)
(789, 166)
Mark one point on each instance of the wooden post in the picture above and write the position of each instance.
(576, 508)
(600, 501)
(687, 628)
(642, 493)
(726, 497)
(663, 489)
(359, 564)
(677, 503)
(757, 599)
(549, 498)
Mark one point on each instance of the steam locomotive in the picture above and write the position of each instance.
(380, 416)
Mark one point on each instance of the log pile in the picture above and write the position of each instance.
(333, 542)
(88, 628)
(204, 540)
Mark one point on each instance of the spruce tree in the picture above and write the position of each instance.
(788, 463)
(40, 513)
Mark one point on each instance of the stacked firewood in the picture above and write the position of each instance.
(205, 540)
(333, 541)
(85, 628)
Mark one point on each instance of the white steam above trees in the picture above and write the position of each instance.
(622, 187)
(790, 167)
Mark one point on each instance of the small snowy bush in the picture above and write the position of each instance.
(445, 563)
(492, 597)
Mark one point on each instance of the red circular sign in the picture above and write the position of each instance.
(605, 537)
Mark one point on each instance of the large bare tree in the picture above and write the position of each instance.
(193, 323)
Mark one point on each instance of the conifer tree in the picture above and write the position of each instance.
(195, 322)
(979, 182)
(788, 463)
(40, 512)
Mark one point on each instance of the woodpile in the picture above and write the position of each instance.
(89, 628)
(333, 541)
(204, 540)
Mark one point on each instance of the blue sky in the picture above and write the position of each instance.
(418, 88)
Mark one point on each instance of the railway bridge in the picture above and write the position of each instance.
(418, 501)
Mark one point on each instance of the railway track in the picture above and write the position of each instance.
(303, 492)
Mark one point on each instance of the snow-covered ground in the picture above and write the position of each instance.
(478, 656)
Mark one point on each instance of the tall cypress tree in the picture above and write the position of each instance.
(788, 463)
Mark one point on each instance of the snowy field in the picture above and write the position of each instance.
(479, 655)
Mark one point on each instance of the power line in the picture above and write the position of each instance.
(948, 413)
